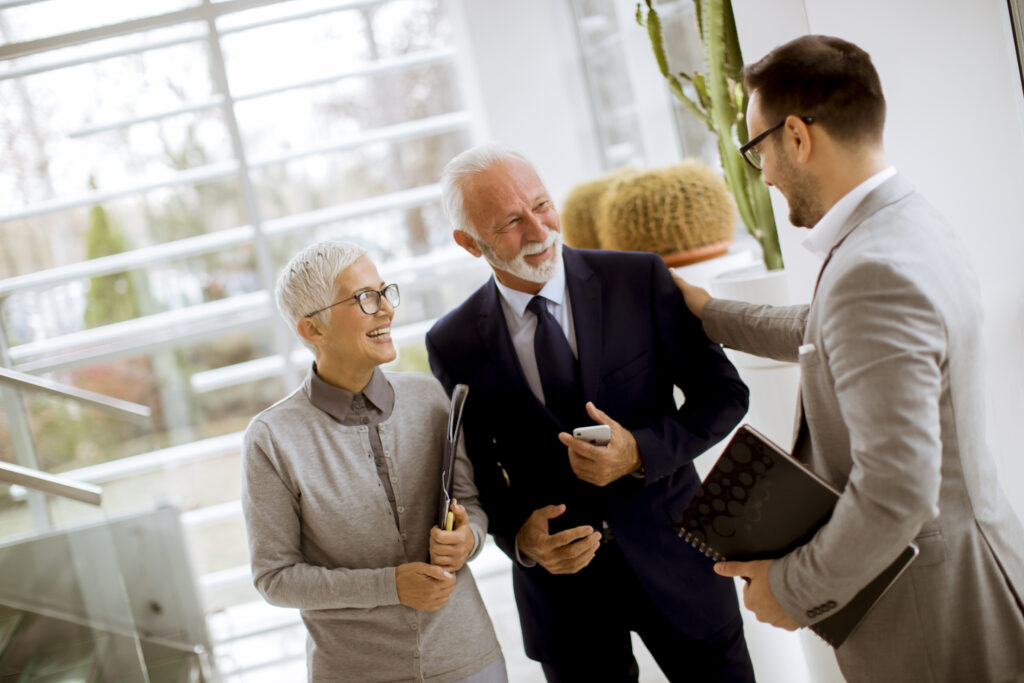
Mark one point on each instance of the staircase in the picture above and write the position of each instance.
(44, 649)
(85, 598)
(112, 601)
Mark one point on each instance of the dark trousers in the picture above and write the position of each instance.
(600, 647)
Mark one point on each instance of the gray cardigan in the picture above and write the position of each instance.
(323, 538)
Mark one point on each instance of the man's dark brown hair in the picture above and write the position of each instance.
(825, 77)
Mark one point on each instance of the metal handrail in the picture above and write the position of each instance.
(124, 409)
(48, 483)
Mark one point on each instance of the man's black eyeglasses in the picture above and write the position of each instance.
(368, 300)
(749, 151)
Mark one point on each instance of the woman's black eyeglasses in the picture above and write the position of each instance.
(368, 300)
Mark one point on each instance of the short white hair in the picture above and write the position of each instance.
(307, 283)
(467, 164)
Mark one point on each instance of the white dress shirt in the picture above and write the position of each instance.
(522, 324)
(825, 234)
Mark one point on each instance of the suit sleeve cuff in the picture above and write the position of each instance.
(777, 582)
(650, 446)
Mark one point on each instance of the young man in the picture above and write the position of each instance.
(891, 370)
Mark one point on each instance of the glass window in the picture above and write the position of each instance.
(602, 35)
(612, 101)
(156, 178)
(42, 19)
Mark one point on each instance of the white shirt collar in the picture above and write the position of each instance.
(825, 234)
(553, 290)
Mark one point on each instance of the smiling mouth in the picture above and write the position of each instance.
(380, 334)
(540, 255)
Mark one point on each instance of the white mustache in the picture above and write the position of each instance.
(538, 247)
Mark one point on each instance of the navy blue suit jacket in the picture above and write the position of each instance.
(636, 340)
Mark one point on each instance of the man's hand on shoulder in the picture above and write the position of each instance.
(696, 298)
(566, 552)
(601, 465)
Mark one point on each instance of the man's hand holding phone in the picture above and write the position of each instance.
(598, 435)
(601, 465)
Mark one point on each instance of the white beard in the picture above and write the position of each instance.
(518, 265)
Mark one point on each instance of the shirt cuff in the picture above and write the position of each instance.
(522, 559)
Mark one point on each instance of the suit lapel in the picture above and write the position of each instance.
(891, 191)
(585, 296)
(494, 335)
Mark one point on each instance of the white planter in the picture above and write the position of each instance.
(773, 384)
(701, 274)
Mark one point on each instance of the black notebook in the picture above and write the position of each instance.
(451, 441)
(758, 502)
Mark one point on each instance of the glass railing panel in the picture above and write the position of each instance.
(64, 611)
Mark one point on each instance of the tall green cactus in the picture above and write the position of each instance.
(721, 104)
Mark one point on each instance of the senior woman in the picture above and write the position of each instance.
(341, 487)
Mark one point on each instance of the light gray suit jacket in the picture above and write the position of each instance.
(891, 380)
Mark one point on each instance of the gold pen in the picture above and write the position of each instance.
(449, 520)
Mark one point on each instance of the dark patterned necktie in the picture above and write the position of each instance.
(559, 372)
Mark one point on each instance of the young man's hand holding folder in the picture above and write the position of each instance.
(757, 593)
(757, 504)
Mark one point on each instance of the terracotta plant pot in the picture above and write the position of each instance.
(696, 255)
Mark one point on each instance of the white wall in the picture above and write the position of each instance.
(526, 88)
(955, 128)
(525, 85)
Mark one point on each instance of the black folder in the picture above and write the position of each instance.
(451, 441)
(758, 502)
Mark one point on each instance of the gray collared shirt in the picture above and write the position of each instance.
(323, 537)
(369, 407)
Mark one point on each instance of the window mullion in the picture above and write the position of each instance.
(264, 262)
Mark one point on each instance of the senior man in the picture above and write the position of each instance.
(561, 338)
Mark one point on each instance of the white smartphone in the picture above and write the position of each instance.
(599, 435)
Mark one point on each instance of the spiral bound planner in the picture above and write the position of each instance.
(758, 502)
